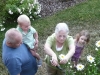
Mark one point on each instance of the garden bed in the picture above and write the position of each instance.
(49, 7)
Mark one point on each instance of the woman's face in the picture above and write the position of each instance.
(61, 36)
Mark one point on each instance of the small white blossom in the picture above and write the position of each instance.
(98, 43)
(3, 21)
(39, 9)
(2, 29)
(39, 15)
(30, 16)
(70, 66)
(80, 67)
(21, 1)
(35, 1)
(33, 6)
(1, 25)
(35, 13)
(33, 19)
(61, 56)
(69, 63)
(30, 12)
(19, 10)
(95, 64)
(90, 58)
(96, 49)
(10, 12)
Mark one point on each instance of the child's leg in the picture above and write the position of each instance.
(74, 61)
(39, 61)
(35, 54)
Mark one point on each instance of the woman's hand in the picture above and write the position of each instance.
(54, 61)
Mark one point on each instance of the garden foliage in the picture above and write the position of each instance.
(13, 8)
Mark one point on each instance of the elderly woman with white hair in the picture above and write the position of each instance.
(59, 48)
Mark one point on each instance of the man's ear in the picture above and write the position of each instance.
(9, 43)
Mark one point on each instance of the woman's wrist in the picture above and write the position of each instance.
(54, 55)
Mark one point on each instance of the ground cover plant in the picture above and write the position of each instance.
(82, 16)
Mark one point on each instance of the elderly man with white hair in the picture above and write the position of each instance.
(59, 48)
(16, 56)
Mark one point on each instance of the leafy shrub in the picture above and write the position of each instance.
(14, 8)
(2, 4)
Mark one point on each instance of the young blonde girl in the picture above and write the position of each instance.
(81, 40)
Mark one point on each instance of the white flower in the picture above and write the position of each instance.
(10, 12)
(96, 49)
(69, 63)
(21, 1)
(61, 56)
(2, 29)
(30, 16)
(39, 8)
(80, 67)
(3, 21)
(29, 4)
(98, 43)
(39, 15)
(90, 58)
(33, 19)
(35, 13)
(1, 25)
(35, 1)
(70, 66)
(95, 64)
(19, 10)
(30, 12)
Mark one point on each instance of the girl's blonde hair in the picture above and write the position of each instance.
(83, 33)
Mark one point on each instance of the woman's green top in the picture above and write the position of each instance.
(52, 41)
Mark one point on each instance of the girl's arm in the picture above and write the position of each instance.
(81, 53)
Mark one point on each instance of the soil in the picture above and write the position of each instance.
(48, 8)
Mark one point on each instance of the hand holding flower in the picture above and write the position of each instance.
(63, 59)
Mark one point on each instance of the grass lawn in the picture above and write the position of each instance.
(82, 16)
